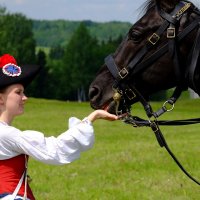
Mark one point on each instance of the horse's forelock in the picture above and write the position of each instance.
(166, 5)
(148, 5)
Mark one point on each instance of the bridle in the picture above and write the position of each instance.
(125, 94)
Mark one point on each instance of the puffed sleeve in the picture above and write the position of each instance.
(58, 150)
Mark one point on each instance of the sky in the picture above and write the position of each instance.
(95, 10)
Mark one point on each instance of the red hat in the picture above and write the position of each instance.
(11, 73)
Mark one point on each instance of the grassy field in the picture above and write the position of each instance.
(125, 163)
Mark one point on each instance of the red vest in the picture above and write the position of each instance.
(11, 171)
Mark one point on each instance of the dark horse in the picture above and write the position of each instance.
(160, 51)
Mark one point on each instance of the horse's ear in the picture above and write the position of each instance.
(167, 5)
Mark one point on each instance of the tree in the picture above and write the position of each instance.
(16, 37)
(56, 53)
(43, 86)
(108, 47)
(79, 61)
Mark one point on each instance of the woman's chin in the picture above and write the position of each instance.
(20, 112)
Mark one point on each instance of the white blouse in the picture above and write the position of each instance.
(51, 150)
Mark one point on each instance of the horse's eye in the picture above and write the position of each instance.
(135, 36)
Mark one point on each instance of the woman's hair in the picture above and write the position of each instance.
(2, 90)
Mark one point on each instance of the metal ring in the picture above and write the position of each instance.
(168, 110)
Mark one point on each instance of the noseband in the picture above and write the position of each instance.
(126, 94)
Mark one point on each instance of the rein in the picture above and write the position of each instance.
(125, 94)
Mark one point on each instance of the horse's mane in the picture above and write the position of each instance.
(152, 3)
(148, 5)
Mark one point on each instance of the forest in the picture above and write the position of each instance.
(69, 52)
(51, 33)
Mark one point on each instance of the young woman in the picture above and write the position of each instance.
(16, 146)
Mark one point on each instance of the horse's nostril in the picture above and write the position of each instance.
(94, 93)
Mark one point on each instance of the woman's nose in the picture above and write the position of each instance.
(24, 98)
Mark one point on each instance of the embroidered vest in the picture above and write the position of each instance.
(11, 171)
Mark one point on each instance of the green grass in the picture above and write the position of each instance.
(125, 163)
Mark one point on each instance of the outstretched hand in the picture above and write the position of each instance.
(101, 114)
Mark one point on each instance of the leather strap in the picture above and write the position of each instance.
(194, 60)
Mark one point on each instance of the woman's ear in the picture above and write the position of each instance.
(1, 99)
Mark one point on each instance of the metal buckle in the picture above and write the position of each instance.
(130, 94)
(171, 33)
(154, 126)
(123, 73)
(153, 39)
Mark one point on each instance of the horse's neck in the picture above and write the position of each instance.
(194, 61)
(197, 84)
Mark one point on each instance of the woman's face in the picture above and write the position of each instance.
(13, 99)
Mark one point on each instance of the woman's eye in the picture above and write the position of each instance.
(19, 92)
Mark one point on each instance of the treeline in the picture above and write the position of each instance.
(50, 33)
(70, 64)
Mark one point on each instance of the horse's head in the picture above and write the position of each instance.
(154, 55)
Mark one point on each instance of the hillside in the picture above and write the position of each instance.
(49, 33)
